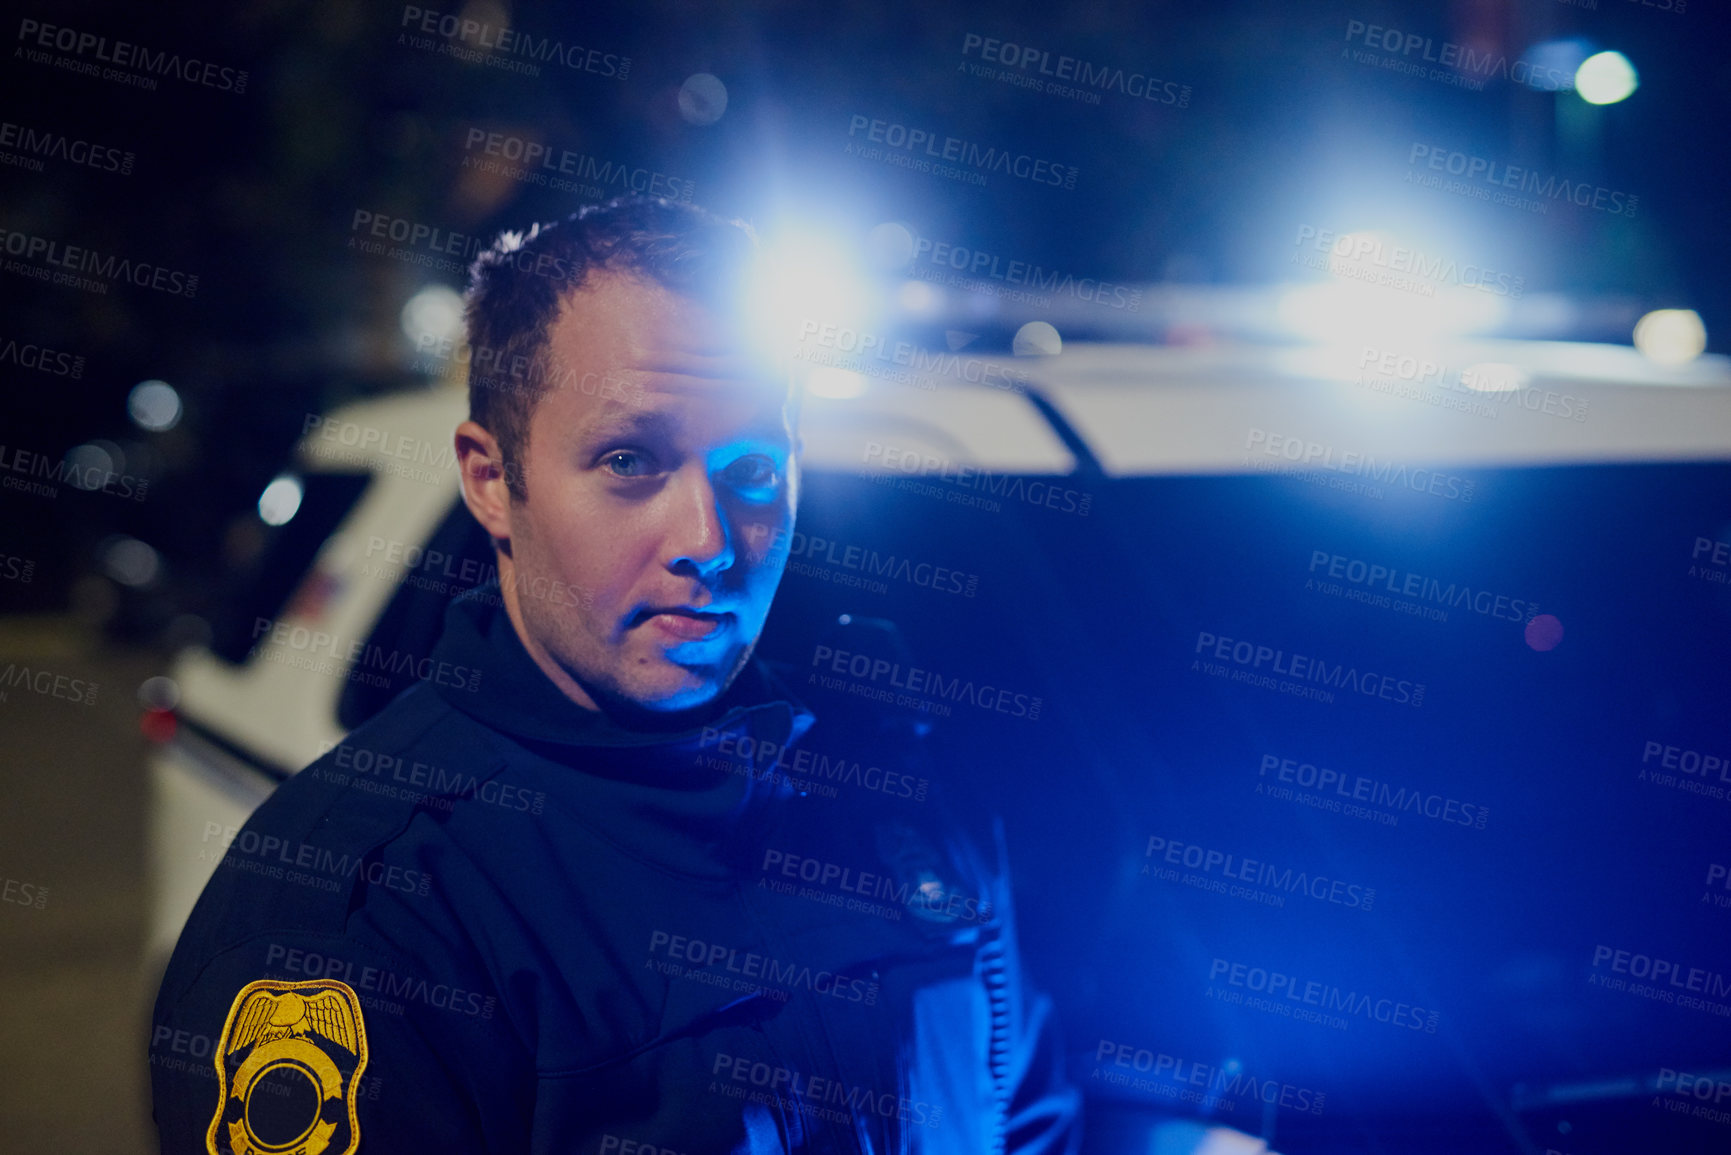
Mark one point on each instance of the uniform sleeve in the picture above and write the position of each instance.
(320, 1040)
(1043, 1115)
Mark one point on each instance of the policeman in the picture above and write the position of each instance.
(569, 898)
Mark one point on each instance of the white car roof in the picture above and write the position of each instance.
(1152, 410)
(1175, 411)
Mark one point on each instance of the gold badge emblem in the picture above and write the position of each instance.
(289, 1067)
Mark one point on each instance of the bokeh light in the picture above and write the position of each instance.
(129, 561)
(702, 99)
(433, 315)
(1671, 336)
(1606, 78)
(281, 500)
(1037, 339)
(154, 406)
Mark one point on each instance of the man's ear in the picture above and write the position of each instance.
(482, 468)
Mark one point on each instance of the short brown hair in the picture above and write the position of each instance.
(517, 286)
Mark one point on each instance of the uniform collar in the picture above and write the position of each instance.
(661, 795)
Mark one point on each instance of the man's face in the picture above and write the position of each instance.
(660, 473)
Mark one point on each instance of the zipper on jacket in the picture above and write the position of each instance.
(994, 972)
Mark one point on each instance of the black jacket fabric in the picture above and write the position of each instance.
(564, 936)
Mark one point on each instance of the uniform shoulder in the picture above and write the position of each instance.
(415, 754)
(294, 865)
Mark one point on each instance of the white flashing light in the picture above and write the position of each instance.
(1606, 78)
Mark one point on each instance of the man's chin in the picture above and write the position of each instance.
(659, 692)
(663, 710)
(678, 690)
(684, 700)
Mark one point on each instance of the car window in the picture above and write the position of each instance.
(263, 589)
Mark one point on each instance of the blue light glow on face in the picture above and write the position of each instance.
(662, 500)
(753, 470)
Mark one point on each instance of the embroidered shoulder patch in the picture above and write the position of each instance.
(289, 1067)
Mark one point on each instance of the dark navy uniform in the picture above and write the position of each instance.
(492, 921)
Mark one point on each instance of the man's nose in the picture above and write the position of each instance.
(701, 544)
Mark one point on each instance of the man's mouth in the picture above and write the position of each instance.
(683, 623)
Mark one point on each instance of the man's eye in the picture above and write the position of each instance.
(754, 472)
(626, 463)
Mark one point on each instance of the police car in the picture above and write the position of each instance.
(1117, 491)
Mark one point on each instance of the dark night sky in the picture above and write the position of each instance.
(255, 193)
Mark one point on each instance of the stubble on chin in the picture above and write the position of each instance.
(694, 687)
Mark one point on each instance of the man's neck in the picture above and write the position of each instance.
(557, 674)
